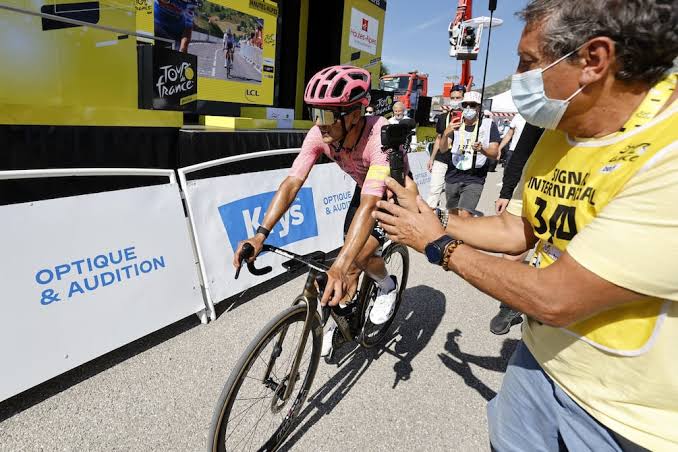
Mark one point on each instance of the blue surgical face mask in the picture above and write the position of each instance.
(529, 96)
(455, 104)
(470, 113)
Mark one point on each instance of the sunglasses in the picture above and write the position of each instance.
(469, 104)
(324, 117)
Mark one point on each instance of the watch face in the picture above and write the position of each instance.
(433, 253)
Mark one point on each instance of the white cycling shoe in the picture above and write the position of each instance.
(384, 304)
(328, 334)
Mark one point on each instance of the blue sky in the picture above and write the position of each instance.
(415, 37)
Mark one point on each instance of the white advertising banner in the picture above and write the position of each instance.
(229, 209)
(418, 166)
(364, 32)
(84, 275)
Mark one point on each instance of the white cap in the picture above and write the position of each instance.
(471, 96)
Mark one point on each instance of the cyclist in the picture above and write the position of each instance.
(337, 97)
(229, 46)
(173, 19)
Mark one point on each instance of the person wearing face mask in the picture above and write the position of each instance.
(596, 368)
(398, 113)
(475, 141)
(437, 164)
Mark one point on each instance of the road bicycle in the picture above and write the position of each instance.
(269, 384)
(229, 62)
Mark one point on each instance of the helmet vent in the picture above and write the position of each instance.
(323, 90)
(338, 88)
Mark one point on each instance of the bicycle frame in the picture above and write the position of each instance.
(315, 282)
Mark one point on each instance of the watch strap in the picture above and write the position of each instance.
(264, 231)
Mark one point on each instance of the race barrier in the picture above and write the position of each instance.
(87, 274)
(418, 166)
(84, 275)
(225, 210)
(252, 54)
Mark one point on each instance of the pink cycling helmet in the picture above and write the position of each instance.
(339, 87)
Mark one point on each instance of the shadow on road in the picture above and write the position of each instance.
(460, 362)
(418, 318)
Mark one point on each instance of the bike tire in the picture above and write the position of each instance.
(370, 334)
(295, 314)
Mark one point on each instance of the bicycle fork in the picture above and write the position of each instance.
(310, 298)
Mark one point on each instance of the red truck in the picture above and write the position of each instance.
(407, 88)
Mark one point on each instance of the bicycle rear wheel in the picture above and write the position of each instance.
(397, 260)
(250, 413)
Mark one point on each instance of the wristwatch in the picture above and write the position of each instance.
(436, 249)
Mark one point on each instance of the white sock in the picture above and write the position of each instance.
(387, 284)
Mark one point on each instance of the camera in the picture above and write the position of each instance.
(395, 135)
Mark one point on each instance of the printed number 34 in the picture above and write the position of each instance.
(561, 225)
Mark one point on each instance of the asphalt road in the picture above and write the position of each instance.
(211, 60)
(425, 390)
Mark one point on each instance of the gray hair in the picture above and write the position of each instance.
(398, 104)
(644, 31)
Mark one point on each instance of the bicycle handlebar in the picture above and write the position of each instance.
(248, 251)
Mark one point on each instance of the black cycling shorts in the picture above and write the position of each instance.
(377, 232)
(229, 46)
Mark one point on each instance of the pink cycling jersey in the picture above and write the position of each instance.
(367, 164)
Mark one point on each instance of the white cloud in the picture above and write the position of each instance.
(427, 24)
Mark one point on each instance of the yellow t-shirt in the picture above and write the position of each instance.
(612, 204)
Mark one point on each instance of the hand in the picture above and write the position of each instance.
(500, 205)
(337, 287)
(429, 166)
(414, 229)
(477, 147)
(406, 195)
(257, 242)
(454, 125)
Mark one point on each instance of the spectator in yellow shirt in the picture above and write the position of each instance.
(597, 368)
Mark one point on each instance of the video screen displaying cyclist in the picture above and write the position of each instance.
(173, 19)
(229, 49)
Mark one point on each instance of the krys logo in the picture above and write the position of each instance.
(241, 219)
(175, 80)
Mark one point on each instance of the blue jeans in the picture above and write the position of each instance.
(531, 412)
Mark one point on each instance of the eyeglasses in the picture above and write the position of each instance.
(369, 111)
(469, 104)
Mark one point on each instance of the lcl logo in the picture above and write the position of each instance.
(251, 93)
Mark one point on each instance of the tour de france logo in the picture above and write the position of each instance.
(176, 80)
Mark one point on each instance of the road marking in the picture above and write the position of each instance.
(214, 64)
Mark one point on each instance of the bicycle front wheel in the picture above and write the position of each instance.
(251, 413)
(397, 260)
